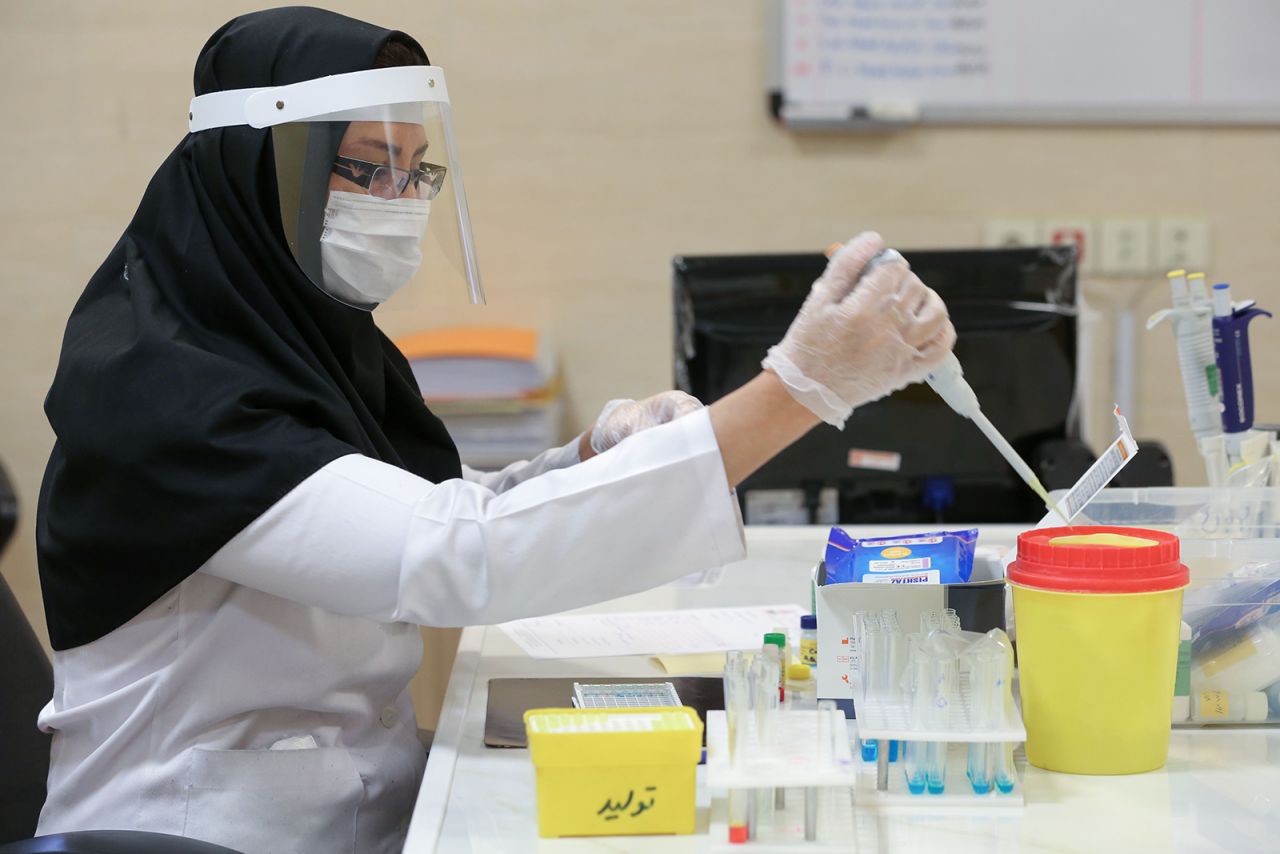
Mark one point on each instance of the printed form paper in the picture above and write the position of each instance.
(650, 632)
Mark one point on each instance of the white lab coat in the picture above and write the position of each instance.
(302, 631)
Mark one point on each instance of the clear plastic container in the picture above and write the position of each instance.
(1230, 540)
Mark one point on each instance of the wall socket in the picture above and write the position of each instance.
(1010, 233)
(1125, 248)
(1182, 244)
(1131, 246)
(1077, 232)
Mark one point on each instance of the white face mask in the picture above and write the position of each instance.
(370, 247)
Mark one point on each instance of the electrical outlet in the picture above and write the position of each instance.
(1182, 244)
(1125, 248)
(1077, 232)
(1009, 233)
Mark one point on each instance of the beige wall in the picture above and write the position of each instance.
(600, 138)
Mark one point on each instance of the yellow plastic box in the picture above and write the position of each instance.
(615, 772)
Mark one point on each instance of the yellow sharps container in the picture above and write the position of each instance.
(1097, 612)
(615, 772)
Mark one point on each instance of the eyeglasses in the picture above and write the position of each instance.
(389, 182)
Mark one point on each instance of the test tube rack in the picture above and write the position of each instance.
(888, 718)
(838, 826)
(793, 762)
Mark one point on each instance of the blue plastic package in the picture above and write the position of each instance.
(940, 557)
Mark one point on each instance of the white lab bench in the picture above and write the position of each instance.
(1219, 792)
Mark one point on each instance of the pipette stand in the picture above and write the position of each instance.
(794, 762)
(888, 719)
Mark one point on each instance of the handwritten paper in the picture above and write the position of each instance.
(650, 632)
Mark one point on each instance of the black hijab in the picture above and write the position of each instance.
(202, 374)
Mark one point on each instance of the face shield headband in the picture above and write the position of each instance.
(361, 159)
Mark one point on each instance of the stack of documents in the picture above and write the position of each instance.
(495, 388)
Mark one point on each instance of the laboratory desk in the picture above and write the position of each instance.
(1219, 792)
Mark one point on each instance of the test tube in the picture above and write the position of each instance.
(875, 659)
(914, 765)
(825, 755)
(982, 696)
(735, 702)
(874, 675)
(950, 620)
(930, 621)
(761, 688)
(1003, 774)
(780, 794)
(943, 689)
(855, 652)
(895, 665)
(766, 708)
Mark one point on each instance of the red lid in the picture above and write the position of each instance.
(737, 833)
(1097, 568)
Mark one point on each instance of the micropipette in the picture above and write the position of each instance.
(949, 382)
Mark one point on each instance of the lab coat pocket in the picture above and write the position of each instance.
(275, 801)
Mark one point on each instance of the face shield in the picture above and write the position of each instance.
(368, 175)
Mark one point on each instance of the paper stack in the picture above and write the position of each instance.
(495, 388)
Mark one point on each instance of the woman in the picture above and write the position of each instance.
(249, 510)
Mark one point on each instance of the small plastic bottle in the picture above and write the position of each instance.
(1251, 663)
(1222, 707)
(809, 640)
(801, 691)
(778, 640)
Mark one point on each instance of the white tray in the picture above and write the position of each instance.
(791, 762)
(890, 718)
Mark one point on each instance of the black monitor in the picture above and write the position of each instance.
(907, 458)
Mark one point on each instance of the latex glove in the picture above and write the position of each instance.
(620, 418)
(855, 341)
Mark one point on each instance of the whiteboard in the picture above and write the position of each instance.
(842, 62)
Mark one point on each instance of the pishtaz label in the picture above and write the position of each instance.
(927, 577)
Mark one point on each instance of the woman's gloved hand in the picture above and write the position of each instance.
(620, 418)
(856, 341)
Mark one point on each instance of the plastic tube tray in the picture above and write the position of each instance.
(791, 761)
(890, 718)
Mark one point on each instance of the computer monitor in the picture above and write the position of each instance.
(907, 458)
